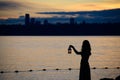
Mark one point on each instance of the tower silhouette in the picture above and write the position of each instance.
(27, 19)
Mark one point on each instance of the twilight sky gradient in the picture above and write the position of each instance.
(15, 8)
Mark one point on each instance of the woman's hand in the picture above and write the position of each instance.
(71, 46)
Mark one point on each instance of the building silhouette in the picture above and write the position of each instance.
(37, 22)
(72, 21)
(27, 19)
(45, 22)
(32, 21)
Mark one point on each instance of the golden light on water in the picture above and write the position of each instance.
(23, 53)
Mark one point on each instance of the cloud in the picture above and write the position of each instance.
(84, 12)
(14, 8)
(90, 16)
(24, 5)
(10, 5)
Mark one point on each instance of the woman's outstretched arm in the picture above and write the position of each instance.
(71, 46)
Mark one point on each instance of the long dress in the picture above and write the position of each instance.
(84, 67)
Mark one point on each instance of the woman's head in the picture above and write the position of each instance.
(86, 46)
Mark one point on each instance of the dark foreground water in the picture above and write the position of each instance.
(23, 53)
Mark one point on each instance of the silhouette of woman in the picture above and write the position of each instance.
(84, 67)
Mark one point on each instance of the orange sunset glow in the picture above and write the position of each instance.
(14, 8)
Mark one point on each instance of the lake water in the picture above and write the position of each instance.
(23, 53)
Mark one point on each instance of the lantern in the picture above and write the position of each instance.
(69, 50)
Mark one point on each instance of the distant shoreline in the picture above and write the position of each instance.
(86, 29)
(59, 35)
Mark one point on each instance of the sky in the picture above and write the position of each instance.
(16, 8)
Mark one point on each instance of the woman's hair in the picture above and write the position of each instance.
(86, 46)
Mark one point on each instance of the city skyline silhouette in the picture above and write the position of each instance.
(102, 16)
(69, 26)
